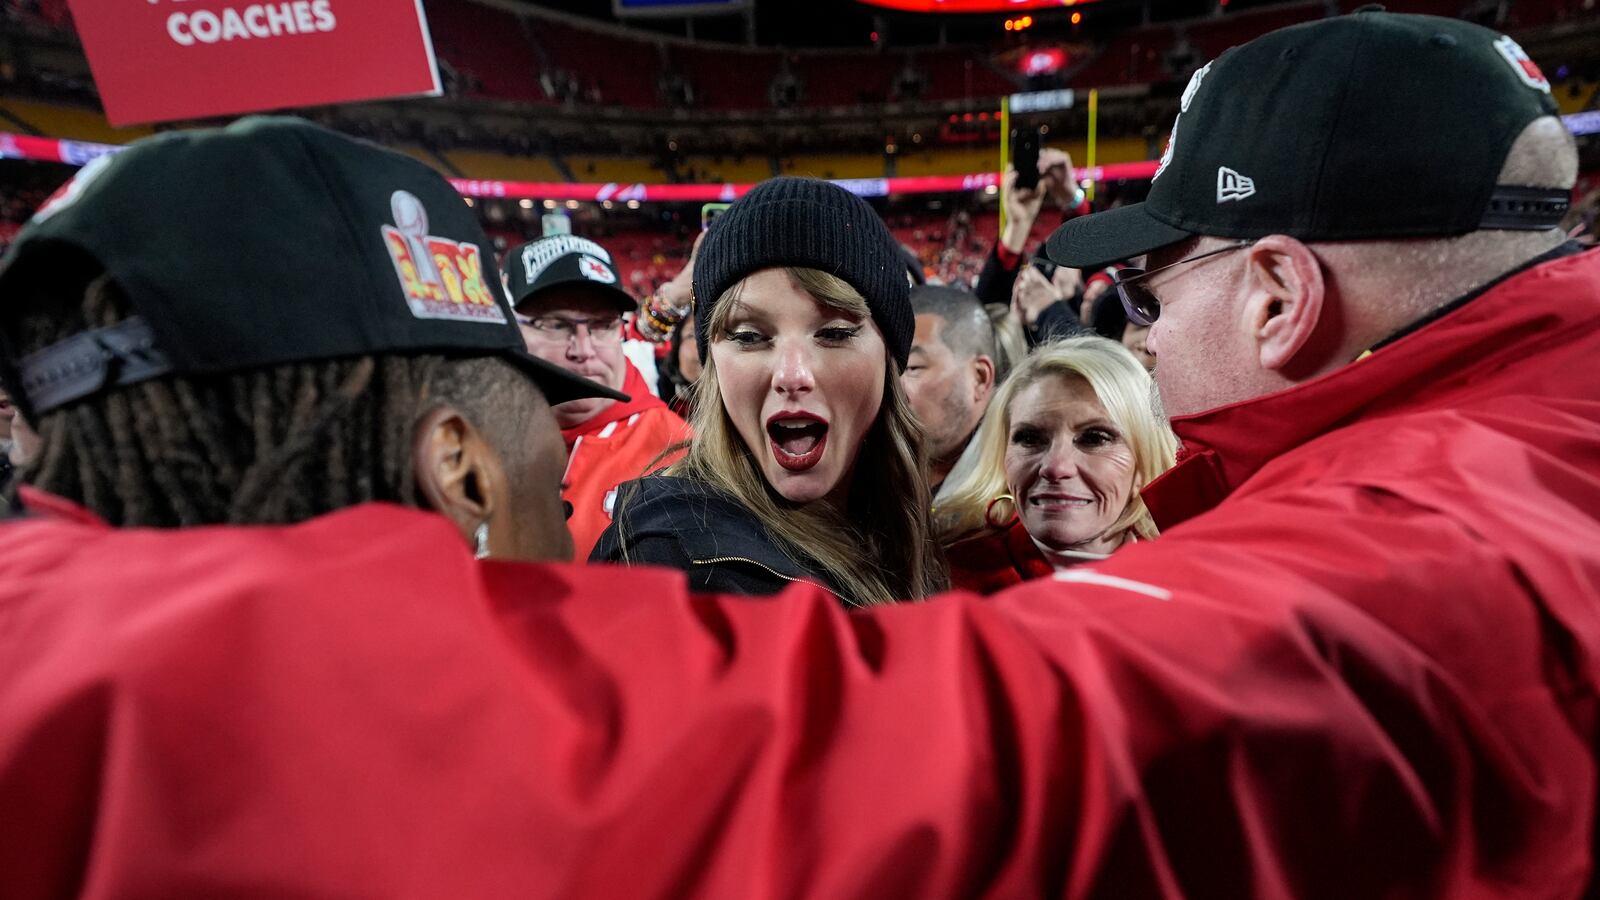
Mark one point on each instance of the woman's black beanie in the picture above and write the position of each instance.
(814, 224)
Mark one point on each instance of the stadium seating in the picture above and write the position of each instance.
(506, 60)
(725, 79)
(70, 122)
(621, 169)
(955, 74)
(736, 170)
(835, 165)
(499, 167)
(949, 162)
(625, 69)
(488, 44)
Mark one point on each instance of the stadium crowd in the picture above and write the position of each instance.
(1242, 541)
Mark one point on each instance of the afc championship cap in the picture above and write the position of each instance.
(1358, 127)
(268, 242)
(565, 259)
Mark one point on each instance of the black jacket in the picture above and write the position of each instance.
(684, 524)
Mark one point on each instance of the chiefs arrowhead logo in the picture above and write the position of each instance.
(595, 270)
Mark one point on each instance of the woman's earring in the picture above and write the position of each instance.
(480, 537)
(988, 511)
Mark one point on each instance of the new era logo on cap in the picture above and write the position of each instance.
(1233, 186)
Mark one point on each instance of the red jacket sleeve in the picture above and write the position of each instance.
(316, 711)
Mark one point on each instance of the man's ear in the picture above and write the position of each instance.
(983, 379)
(456, 473)
(1286, 299)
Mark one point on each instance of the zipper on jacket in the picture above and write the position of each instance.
(728, 559)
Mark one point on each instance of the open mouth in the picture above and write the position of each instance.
(798, 440)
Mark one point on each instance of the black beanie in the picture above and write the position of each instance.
(814, 224)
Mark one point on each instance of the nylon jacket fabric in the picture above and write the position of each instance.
(617, 445)
(1359, 662)
(687, 525)
(995, 560)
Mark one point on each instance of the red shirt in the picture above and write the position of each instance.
(617, 445)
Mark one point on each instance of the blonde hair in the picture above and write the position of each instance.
(1121, 385)
(879, 549)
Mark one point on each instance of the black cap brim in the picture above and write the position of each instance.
(558, 384)
(1093, 242)
(612, 293)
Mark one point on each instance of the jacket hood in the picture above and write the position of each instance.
(640, 400)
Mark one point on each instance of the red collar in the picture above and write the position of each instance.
(50, 506)
(641, 400)
(1224, 447)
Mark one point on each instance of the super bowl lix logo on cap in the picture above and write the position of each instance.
(441, 278)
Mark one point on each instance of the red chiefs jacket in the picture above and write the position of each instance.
(615, 446)
(1362, 666)
(995, 560)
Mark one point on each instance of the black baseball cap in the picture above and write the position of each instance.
(564, 259)
(1359, 127)
(268, 242)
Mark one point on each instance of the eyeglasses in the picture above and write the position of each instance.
(1141, 305)
(560, 328)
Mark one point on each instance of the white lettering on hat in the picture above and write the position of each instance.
(538, 256)
(1526, 69)
(1233, 186)
(595, 270)
(1183, 106)
(1193, 86)
(68, 193)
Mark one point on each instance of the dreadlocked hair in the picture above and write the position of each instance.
(265, 446)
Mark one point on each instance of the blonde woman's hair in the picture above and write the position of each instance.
(1122, 386)
(881, 548)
